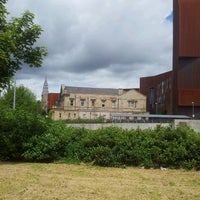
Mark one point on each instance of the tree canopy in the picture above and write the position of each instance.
(18, 37)
(25, 100)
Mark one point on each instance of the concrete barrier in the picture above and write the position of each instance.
(194, 124)
(120, 125)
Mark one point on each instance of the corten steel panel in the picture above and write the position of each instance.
(189, 73)
(52, 98)
(186, 97)
(175, 55)
(146, 83)
(189, 28)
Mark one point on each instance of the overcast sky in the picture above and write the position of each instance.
(98, 43)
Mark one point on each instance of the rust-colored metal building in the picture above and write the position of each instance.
(184, 95)
(158, 90)
(186, 57)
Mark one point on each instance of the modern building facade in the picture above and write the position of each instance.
(184, 94)
(158, 90)
(186, 57)
(92, 103)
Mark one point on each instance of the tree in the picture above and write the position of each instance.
(18, 37)
(25, 100)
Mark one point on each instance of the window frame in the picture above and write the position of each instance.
(103, 103)
(82, 102)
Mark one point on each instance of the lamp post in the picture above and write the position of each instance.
(14, 96)
(193, 115)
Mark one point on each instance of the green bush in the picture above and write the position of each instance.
(48, 146)
(29, 137)
(17, 127)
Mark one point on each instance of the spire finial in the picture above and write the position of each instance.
(45, 87)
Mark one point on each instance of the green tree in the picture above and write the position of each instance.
(25, 100)
(18, 37)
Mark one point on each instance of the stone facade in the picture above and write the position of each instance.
(92, 103)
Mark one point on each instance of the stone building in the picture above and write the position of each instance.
(92, 103)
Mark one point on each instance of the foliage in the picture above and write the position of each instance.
(17, 127)
(48, 146)
(18, 37)
(174, 148)
(25, 100)
(33, 138)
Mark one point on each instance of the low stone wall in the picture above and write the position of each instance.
(120, 125)
(194, 124)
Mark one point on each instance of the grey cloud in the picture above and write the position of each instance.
(118, 39)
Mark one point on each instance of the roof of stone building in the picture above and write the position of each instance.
(87, 90)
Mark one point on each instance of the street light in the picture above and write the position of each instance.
(14, 96)
(193, 115)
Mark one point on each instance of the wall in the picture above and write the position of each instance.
(189, 28)
(161, 85)
(194, 124)
(186, 56)
(120, 125)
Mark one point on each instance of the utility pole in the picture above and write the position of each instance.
(14, 96)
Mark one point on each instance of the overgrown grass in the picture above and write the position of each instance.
(62, 181)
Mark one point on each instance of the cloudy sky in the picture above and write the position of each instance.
(98, 43)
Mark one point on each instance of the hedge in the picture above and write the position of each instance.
(27, 137)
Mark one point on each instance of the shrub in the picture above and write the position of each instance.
(48, 146)
(17, 127)
(30, 137)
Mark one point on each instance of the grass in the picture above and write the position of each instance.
(62, 181)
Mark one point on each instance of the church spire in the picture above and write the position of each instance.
(45, 93)
(45, 87)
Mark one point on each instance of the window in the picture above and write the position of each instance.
(113, 104)
(69, 115)
(132, 104)
(93, 102)
(103, 103)
(71, 102)
(82, 102)
(163, 87)
(74, 115)
(84, 116)
(95, 116)
(152, 94)
(60, 115)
